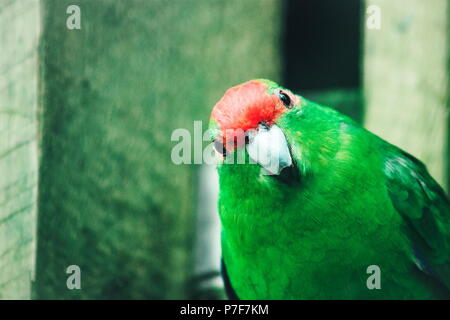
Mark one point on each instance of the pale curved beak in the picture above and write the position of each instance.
(268, 147)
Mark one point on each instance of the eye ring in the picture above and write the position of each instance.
(284, 97)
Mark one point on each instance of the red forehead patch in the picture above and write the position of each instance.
(246, 105)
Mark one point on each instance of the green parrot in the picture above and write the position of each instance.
(313, 206)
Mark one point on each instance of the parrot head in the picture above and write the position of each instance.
(283, 136)
(246, 118)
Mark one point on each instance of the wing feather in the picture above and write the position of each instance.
(426, 209)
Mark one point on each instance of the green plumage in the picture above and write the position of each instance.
(358, 201)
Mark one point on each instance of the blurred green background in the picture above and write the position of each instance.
(90, 181)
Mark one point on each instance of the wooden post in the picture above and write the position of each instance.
(406, 79)
(19, 34)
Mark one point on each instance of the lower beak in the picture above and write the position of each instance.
(268, 147)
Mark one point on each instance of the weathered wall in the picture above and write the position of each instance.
(406, 79)
(110, 200)
(19, 34)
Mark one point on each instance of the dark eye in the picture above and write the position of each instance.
(285, 99)
(220, 148)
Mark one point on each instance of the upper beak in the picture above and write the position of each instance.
(268, 147)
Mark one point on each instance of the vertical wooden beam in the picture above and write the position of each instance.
(110, 199)
(406, 79)
(19, 35)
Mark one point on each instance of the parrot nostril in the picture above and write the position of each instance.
(263, 125)
(220, 148)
